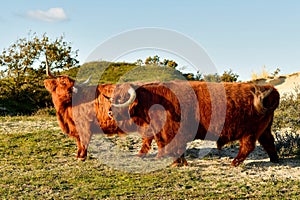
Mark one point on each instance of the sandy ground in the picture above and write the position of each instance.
(201, 155)
(257, 165)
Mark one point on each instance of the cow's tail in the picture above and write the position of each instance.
(265, 98)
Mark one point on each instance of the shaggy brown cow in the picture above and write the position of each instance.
(81, 110)
(224, 112)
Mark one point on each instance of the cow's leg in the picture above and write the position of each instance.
(82, 150)
(267, 141)
(146, 146)
(181, 161)
(83, 153)
(161, 148)
(247, 145)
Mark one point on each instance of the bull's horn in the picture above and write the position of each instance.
(131, 99)
(86, 81)
(267, 93)
(48, 72)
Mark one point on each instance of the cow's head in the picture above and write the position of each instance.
(61, 87)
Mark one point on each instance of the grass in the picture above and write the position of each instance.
(39, 163)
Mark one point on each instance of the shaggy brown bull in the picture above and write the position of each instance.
(223, 112)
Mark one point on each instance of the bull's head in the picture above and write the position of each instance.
(124, 97)
(127, 103)
(258, 99)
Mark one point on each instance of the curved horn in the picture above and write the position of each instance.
(86, 81)
(131, 99)
(48, 72)
(267, 93)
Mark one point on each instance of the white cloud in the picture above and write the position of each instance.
(51, 15)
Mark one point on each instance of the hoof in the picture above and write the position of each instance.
(179, 162)
(81, 158)
(141, 155)
(274, 159)
(236, 163)
(160, 155)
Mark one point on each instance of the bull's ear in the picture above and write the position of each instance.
(133, 110)
(50, 84)
(134, 86)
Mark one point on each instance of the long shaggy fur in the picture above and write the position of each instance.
(235, 116)
(82, 114)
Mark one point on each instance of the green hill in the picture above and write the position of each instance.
(106, 72)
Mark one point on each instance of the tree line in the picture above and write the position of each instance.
(22, 71)
(227, 76)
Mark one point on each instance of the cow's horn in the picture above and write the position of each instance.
(131, 99)
(48, 72)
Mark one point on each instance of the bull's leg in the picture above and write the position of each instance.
(222, 141)
(177, 150)
(247, 145)
(146, 146)
(161, 145)
(267, 141)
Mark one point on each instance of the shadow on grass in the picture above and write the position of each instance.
(256, 158)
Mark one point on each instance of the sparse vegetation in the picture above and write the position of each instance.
(263, 74)
(37, 162)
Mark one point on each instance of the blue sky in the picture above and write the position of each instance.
(241, 35)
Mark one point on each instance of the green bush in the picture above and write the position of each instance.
(22, 89)
(286, 124)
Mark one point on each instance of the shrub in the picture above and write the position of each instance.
(22, 89)
(287, 125)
